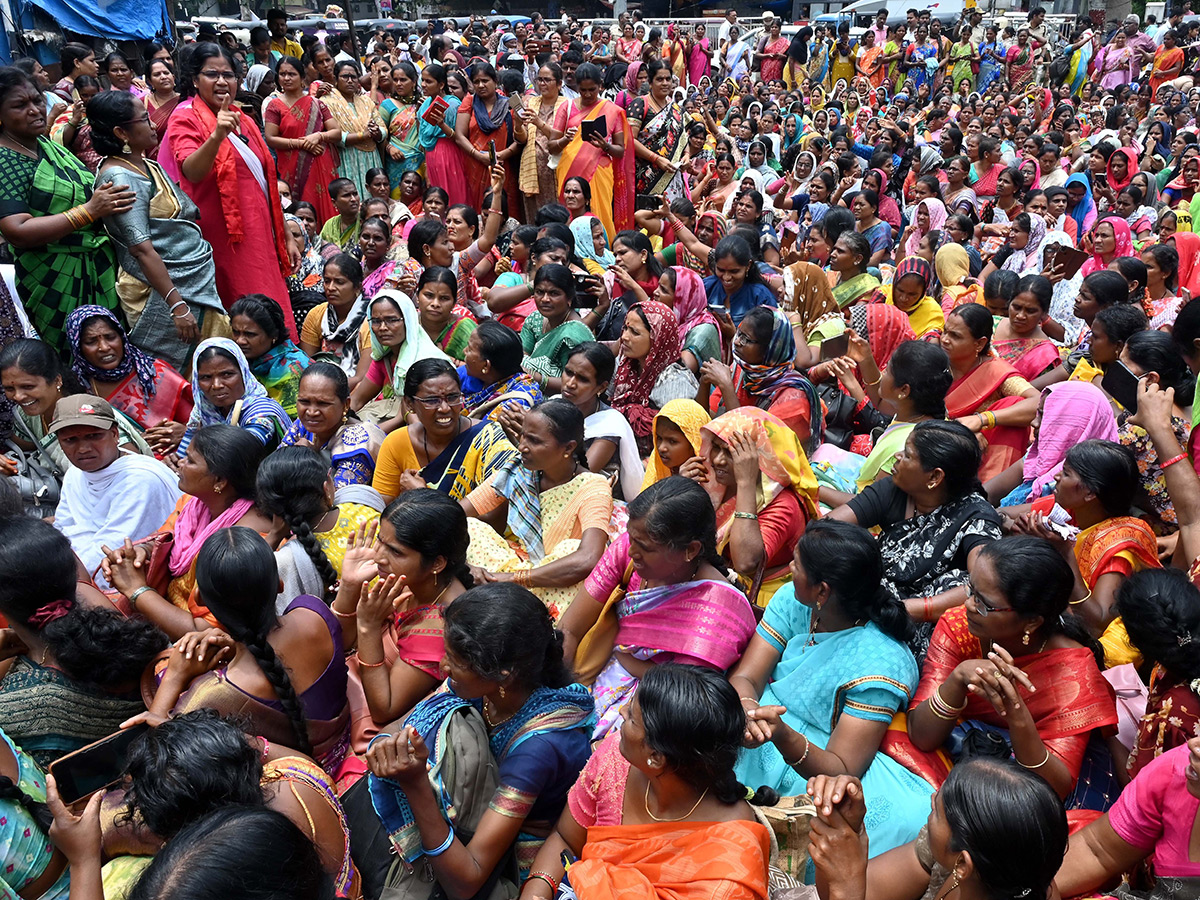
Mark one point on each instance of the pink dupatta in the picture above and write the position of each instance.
(196, 525)
(707, 623)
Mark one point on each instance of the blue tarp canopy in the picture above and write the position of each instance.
(118, 20)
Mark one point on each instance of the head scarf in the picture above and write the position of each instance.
(133, 360)
(720, 229)
(1163, 148)
(308, 273)
(1021, 261)
(585, 245)
(781, 459)
(255, 75)
(417, 344)
(691, 303)
(937, 218)
(884, 327)
(689, 416)
(807, 293)
(1084, 212)
(631, 75)
(788, 142)
(762, 381)
(952, 264)
(1131, 156)
(1122, 247)
(914, 265)
(929, 161)
(811, 156)
(634, 381)
(255, 403)
(1072, 412)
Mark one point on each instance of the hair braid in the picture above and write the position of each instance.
(303, 532)
(39, 812)
(277, 674)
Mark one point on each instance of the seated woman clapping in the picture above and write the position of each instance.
(657, 595)
(658, 810)
(284, 674)
(824, 675)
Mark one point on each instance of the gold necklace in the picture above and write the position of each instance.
(646, 803)
(488, 719)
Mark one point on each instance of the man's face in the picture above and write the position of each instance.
(88, 447)
(277, 26)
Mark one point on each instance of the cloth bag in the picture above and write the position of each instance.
(38, 480)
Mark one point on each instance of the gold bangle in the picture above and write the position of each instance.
(1039, 765)
(344, 615)
(876, 381)
(804, 755)
(366, 665)
(1084, 599)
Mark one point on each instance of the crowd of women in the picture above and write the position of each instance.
(753, 467)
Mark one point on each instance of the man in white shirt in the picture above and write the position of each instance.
(730, 22)
(107, 495)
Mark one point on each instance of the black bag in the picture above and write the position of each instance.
(1059, 68)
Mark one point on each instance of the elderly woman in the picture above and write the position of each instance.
(540, 125)
(261, 333)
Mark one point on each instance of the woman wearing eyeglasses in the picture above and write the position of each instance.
(397, 341)
(443, 448)
(218, 156)
(1013, 671)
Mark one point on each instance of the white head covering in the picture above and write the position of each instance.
(255, 76)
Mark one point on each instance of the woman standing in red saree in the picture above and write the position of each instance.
(604, 161)
(218, 156)
(162, 99)
(486, 117)
(988, 395)
(302, 132)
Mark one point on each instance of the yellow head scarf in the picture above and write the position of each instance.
(690, 417)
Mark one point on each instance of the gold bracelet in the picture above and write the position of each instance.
(1039, 765)
(343, 615)
(876, 381)
(366, 665)
(804, 755)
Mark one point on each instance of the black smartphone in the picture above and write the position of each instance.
(646, 202)
(833, 347)
(491, 153)
(584, 299)
(95, 767)
(1121, 384)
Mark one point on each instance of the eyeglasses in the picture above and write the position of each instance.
(389, 322)
(740, 338)
(218, 76)
(138, 121)
(435, 402)
(981, 604)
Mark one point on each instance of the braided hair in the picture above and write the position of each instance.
(238, 580)
(291, 484)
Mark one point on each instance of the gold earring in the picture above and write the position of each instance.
(345, 416)
(954, 885)
(1025, 639)
(216, 490)
(501, 692)
(125, 148)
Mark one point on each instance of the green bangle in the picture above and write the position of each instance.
(133, 598)
(746, 515)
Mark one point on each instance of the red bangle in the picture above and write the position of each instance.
(1173, 460)
(926, 609)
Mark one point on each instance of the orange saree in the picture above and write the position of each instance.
(674, 861)
(981, 390)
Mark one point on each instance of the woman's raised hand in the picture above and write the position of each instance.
(378, 603)
(358, 565)
(227, 120)
(695, 469)
(743, 452)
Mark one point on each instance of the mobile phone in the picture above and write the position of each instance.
(646, 201)
(832, 348)
(514, 100)
(95, 767)
(1121, 384)
(584, 299)
(491, 153)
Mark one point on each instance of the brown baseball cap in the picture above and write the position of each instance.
(83, 409)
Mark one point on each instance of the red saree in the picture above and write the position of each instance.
(158, 119)
(1072, 699)
(309, 176)
(674, 861)
(986, 185)
(478, 179)
(172, 400)
(980, 391)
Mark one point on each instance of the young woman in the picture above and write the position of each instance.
(563, 541)
(358, 120)
(162, 97)
(649, 344)
(1163, 300)
(302, 132)
(398, 115)
(418, 553)
(833, 633)
(867, 223)
(437, 290)
(374, 243)
(443, 158)
(443, 448)
(554, 328)
(397, 342)
(908, 292)
(737, 284)
(323, 422)
(988, 395)
(260, 331)
(487, 120)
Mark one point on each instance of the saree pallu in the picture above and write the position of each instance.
(172, 399)
(1029, 357)
(664, 132)
(353, 116)
(478, 178)
(699, 623)
(214, 690)
(980, 391)
(1077, 71)
(1020, 60)
(989, 70)
(472, 458)
(453, 338)
(536, 178)
(1172, 718)
(677, 860)
(519, 391)
(75, 270)
(1071, 700)
(772, 69)
(857, 288)
(1164, 59)
(158, 119)
(1121, 545)
(547, 352)
(401, 123)
(307, 175)
(292, 770)
(279, 371)
(612, 180)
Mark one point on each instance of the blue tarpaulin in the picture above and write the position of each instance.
(118, 20)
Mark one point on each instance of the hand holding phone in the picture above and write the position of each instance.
(1122, 385)
(491, 154)
(95, 767)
